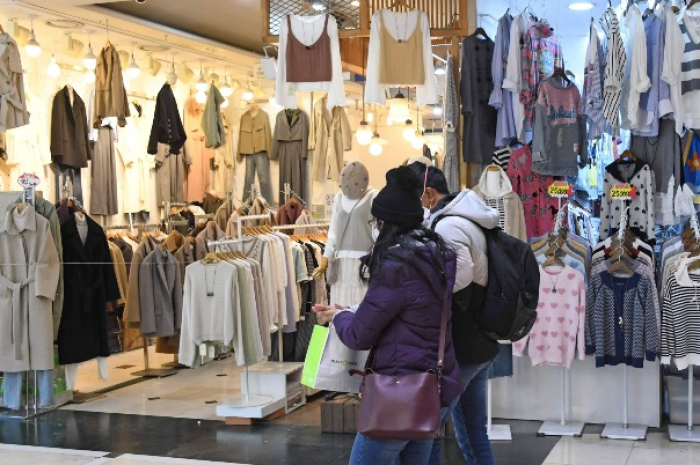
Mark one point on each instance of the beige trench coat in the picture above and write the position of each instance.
(13, 101)
(110, 93)
(26, 293)
(330, 135)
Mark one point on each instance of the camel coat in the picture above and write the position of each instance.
(199, 170)
(110, 93)
(329, 137)
(13, 101)
(26, 293)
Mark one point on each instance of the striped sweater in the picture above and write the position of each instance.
(620, 320)
(616, 60)
(680, 326)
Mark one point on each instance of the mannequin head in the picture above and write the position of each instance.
(354, 180)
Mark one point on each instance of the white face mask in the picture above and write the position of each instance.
(375, 233)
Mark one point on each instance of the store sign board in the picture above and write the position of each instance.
(560, 189)
(623, 192)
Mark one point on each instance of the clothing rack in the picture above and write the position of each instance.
(624, 430)
(688, 433)
(301, 226)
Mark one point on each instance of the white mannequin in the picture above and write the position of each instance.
(493, 181)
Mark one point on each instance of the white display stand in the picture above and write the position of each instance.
(686, 433)
(624, 430)
(562, 427)
(495, 432)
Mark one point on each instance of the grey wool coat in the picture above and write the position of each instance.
(132, 308)
(26, 292)
(160, 294)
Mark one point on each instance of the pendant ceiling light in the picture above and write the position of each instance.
(364, 131)
(32, 47)
(201, 97)
(224, 104)
(355, 3)
(418, 140)
(201, 84)
(440, 70)
(248, 94)
(89, 77)
(398, 108)
(318, 5)
(226, 89)
(376, 143)
(172, 75)
(53, 70)
(133, 70)
(90, 60)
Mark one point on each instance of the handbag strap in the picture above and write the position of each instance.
(443, 331)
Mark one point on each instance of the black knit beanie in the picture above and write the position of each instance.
(399, 201)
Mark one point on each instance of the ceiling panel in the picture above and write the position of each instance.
(232, 22)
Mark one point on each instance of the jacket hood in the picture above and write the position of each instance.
(467, 204)
(505, 185)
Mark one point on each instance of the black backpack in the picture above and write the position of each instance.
(509, 302)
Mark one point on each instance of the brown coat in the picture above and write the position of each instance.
(329, 138)
(69, 131)
(26, 293)
(255, 134)
(110, 93)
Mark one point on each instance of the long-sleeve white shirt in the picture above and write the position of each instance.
(638, 80)
(671, 73)
(375, 92)
(514, 68)
(309, 30)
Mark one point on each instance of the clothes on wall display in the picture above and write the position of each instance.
(110, 93)
(558, 332)
(451, 127)
(559, 130)
(400, 54)
(616, 60)
(254, 144)
(198, 176)
(642, 209)
(131, 147)
(501, 97)
(90, 283)
(14, 113)
(513, 78)
(27, 291)
(160, 294)
(212, 121)
(170, 174)
(69, 130)
(540, 209)
(330, 137)
(497, 192)
(103, 188)
(309, 60)
(541, 55)
(167, 125)
(476, 85)
(635, 73)
(593, 85)
(290, 146)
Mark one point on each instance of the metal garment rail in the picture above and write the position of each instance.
(301, 226)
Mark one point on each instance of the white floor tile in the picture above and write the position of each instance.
(587, 452)
(28, 455)
(677, 454)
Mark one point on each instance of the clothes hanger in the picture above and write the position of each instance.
(402, 3)
(210, 258)
(561, 73)
(627, 157)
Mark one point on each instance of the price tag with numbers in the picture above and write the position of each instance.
(623, 192)
(560, 189)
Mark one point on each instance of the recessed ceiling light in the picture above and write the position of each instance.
(154, 48)
(65, 24)
(581, 6)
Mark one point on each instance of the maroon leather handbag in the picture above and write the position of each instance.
(405, 407)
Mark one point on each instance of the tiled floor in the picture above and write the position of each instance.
(172, 421)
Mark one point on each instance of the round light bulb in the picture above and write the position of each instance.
(370, 117)
(418, 140)
(172, 77)
(127, 80)
(201, 84)
(581, 6)
(32, 47)
(363, 134)
(133, 70)
(53, 70)
(89, 77)
(226, 89)
(409, 132)
(389, 121)
(375, 149)
(437, 110)
(90, 60)
(224, 104)
(248, 94)
(440, 70)
(318, 6)
(201, 97)
(355, 3)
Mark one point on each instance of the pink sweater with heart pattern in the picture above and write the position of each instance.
(559, 328)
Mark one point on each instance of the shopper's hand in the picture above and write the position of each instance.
(322, 268)
(325, 313)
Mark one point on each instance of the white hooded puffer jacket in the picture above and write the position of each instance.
(459, 231)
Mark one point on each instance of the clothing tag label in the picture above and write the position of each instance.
(623, 192)
(28, 180)
(560, 190)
